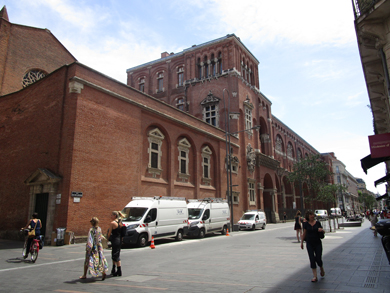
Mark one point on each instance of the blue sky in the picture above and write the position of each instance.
(309, 68)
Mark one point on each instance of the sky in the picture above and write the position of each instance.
(310, 68)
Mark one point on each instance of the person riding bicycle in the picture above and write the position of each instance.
(34, 222)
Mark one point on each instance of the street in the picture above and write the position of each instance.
(269, 260)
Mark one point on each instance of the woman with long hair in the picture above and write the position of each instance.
(298, 225)
(311, 234)
(114, 235)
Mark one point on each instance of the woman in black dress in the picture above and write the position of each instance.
(114, 235)
(311, 234)
(298, 225)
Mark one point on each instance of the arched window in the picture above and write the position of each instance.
(206, 67)
(160, 82)
(32, 76)
(206, 165)
(180, 103)
(180, 76)
(220, 62)
(199, 69)
(141, 84)
(279, 144)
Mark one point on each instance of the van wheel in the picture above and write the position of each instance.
(142, 240)
(201, 233)
(224, 230)
(179, 236)
(263, 226)
(253, 227)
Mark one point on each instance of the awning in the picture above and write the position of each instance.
(368, 162)
(383, 179)
(382, 197)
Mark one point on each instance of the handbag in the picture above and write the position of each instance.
(322, 234)
(31, 234)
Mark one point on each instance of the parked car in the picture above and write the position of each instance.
(160, 217)
(252, 220)
(208, 215)
(321, 214)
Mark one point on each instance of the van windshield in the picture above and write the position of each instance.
(194, 213)
(248, 217)
(133, 214)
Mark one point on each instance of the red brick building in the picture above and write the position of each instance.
(77, 143)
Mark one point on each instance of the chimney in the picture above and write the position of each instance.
(164, 54)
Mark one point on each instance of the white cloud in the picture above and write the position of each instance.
(305, 22)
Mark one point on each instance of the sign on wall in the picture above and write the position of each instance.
(380, 145)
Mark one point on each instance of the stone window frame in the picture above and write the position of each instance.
(209, 102)
(160, 82)
(184, 146)
(248, 108)
(206, 155)
(251, 191)
(155, 136)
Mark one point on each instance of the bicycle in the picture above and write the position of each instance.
(33, 249)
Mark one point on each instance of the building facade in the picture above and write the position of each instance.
(372, 25)
(193, 124)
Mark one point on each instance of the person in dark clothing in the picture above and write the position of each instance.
(33, 223)
(311, 234)
(114, 235)
(297, 225)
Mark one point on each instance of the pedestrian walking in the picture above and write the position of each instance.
(95, 261)
(374, 220)
(284, 217)
(298, 225)
(311, 234)
(114, 236)
(35, 224)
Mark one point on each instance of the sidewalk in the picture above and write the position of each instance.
(358, 265)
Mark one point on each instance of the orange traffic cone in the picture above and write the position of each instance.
(152, 244)
(227, 232)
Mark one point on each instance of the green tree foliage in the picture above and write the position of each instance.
(366, 200)
(315, 172)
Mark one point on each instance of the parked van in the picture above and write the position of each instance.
(208, 215)
(335, 212)
(160, 217)
(252, 220)
(321, 213)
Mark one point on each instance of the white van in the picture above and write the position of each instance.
(252, 220)
(321, 213)
(208, 215)
(335, 212)
(160, 217)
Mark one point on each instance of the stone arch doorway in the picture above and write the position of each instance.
(270, 199)
(43, 195)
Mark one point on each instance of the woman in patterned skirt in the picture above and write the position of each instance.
(95, 261)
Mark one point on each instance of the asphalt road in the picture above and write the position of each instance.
(267, 260)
